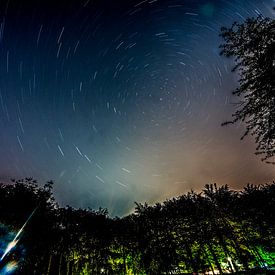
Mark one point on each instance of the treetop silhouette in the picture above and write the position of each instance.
(252, 44)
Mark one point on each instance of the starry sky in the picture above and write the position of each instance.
(122, 101)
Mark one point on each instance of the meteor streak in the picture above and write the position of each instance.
(15, 240)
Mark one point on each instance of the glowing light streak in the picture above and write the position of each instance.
(15, 240)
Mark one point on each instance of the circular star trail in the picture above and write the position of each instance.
(122, 101)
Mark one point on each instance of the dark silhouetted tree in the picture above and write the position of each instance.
(252, 44)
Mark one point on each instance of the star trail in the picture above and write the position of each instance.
(122, 101)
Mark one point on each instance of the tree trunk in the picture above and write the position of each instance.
(226, 252)
(68, 267)
(209, 262)
(49, 265)
(59, 264)
(124, 260)
(190, 256)
(239, 254)
(215, 258)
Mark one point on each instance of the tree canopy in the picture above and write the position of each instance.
(252, 45)
(216, 231)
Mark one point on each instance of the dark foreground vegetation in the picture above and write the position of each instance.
(215, 231)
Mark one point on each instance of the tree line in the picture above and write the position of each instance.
(213, 232)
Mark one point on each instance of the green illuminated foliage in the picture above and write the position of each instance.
(215, 231)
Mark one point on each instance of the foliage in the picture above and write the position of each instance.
(217, 230)
(252, 44)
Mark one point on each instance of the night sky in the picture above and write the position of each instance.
(122, 101)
